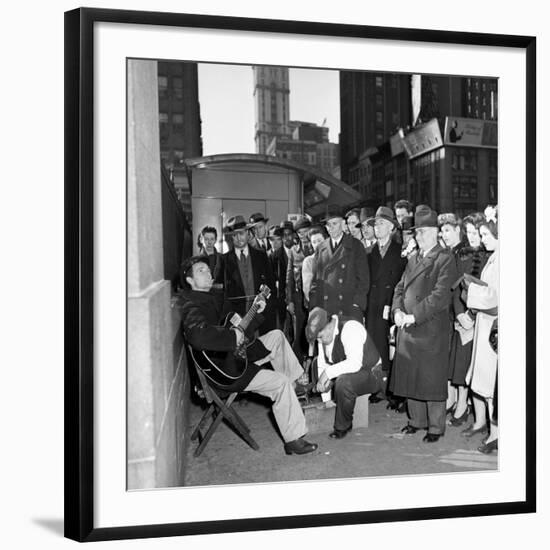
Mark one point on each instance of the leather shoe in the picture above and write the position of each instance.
(469, 431)
(338, 434)
(299, 447)
(458, 421)
(431, 438)
(409, 430)
(489, 447)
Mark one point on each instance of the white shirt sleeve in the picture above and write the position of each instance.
(353, 337)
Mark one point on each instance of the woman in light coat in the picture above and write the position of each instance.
(483, 366)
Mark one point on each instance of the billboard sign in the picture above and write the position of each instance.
(471, 132)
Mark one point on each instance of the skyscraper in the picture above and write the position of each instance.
(271, 103)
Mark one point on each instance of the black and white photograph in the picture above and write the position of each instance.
(328, 248)
(300, 275)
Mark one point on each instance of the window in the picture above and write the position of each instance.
(379, 100)
(163, 118)
(379, 117)
(379, 82)
(177, 118)
(163, 82)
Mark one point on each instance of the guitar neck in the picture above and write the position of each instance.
(246, 320)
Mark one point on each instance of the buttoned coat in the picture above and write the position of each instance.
(230, 277)
(279, 262)
(422, 350)
(385, 273)
(340, 278)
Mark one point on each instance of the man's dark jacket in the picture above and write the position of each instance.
(230, 277)
(340, 278)
(202, 330)
(385, 273)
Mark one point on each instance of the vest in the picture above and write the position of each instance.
(247, 277)
(370, 353)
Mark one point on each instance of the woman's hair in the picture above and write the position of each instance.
(208, 229)
(475, 218)
(403, 203)
(449, 218)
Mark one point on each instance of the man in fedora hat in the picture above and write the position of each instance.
(348, 359)
(366, 226)
(258, 228)
(244, 270)
(294, 286)
(341, 271)
(421, 312)
(386, 267)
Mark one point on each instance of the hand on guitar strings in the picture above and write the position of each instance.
(260, 301)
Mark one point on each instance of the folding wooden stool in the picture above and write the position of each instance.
(219, 407)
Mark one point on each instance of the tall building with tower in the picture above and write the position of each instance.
(271, 105)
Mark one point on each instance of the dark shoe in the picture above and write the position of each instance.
(375, 398)
(431, 438)
(488, 448)
(300, 389)
(402, 407)
(454, 421)
(299, 447)
(409, 430)
(451, 408)
(338, 434)
(469, 431)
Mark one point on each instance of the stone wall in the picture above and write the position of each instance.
(158, 381)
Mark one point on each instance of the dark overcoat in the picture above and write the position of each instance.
(422, 350)
(340, 278)
(279, 261)
(472, 262)
(385, 273)
(233, 287)
(202, 329)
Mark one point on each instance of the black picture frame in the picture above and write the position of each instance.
(79, 269)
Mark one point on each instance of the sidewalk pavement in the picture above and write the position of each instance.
(379, 450)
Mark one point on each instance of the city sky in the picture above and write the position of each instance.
(227, 104)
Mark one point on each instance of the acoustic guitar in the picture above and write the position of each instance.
(224, 368)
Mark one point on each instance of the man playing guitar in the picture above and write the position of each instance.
(201, 313)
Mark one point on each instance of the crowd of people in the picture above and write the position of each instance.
(402, 305)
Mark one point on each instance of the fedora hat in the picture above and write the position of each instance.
(287, 224)
(385, 213)
(333, 211)
(424, 217)
(302, 223)
(258, 217)
(365, 217)
(275, 231)
(236, 223)
(316, 322)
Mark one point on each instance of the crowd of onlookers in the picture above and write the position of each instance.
(423, 286)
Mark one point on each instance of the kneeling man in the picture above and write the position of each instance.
(348, 359)
(201, 315)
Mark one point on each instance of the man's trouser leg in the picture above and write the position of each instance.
(346, 390)
(286, 408)
(437, 414)
(281, 356)
(427, 414)
(418, 413)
